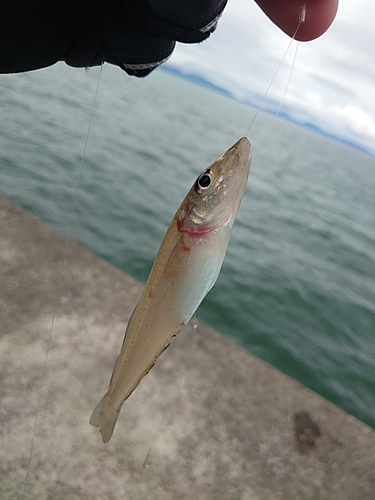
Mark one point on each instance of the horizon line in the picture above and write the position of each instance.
(201, 81)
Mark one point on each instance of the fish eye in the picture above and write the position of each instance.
(203, 182)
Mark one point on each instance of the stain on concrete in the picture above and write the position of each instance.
(306, 432)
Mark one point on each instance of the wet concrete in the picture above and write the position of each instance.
(210, 421)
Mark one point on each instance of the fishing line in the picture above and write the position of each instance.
(281, 102)
(61, 273)
(301, 20)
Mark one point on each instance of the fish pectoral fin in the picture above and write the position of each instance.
(105, 418)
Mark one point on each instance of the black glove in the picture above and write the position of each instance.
(137, 35)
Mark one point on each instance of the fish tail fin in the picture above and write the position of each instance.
(105, 418)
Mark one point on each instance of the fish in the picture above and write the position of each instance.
(185, 269)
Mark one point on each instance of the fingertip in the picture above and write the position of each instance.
(319, 16)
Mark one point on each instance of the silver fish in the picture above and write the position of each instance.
(185, 269)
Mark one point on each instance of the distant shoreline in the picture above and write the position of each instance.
(268, 106)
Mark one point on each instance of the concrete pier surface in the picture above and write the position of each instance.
(210, 421)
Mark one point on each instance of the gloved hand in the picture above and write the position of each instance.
(136, 35)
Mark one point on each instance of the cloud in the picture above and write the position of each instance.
(361, 122)
(333, 79)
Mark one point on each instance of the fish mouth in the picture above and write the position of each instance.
(243, 147)
(238, 161)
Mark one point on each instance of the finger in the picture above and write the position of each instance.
(286, 13)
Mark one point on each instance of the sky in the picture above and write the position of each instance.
(332, 85)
